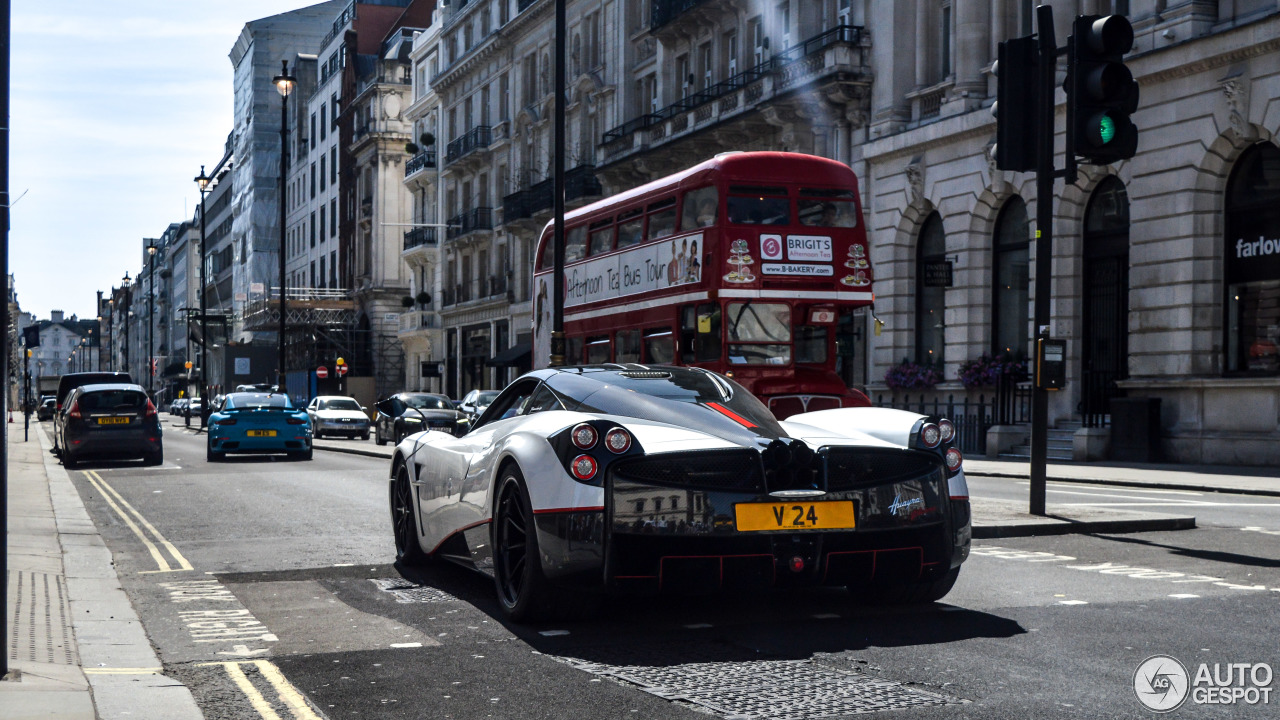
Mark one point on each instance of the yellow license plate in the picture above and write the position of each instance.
(794, 516)
(113, 421)
(260, 433)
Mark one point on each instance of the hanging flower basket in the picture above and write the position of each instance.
(912, 376)
(988, 371)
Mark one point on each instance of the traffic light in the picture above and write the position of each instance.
(1101, 92)
(1017, 102)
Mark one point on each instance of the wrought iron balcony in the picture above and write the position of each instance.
(419, 237)
(480, 218)
(664, 11)
(421, 161)
(474, 139)
(579, 182)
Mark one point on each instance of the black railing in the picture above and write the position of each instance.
(495, 286)
(664, 11)
(1013, 401)
(972, 418)
(579, 182)
(841, 34)
(421, 161)
(474, 139)
(1098, 387)
(418, 237)
(480, 218)
(523, 5)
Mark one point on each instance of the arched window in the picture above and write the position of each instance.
(1251, 263)
(1012, 275)
(931, 254)
(1104, 335)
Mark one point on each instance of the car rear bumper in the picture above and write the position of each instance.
(241, 443)
(115, 445)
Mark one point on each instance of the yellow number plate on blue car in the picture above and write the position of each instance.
(260, 433)
(836, 515)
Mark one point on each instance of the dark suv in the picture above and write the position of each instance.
(113, 420)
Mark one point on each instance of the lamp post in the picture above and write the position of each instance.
(151, 319)
(202, 181)
(284, 84)
(125, 312)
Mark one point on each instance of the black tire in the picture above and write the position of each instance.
(523, 591)
(155, 458)
(68, 462)
(377, 435)
(364, 436)
(317, 435)
(211, 456)
(399, 434)
(404, 522)
(907, 593)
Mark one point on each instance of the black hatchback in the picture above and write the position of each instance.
(114, 420)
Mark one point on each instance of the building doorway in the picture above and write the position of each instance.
(1105, 308)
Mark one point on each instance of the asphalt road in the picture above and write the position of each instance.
(267, 586)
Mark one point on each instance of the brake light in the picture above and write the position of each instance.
(584, 437)
(583, 467)
(617, 440)
(954, 459)
(930, 435)
(948, 429)
(226, 421)
(297, 421)
(74, 411)
(151, 410)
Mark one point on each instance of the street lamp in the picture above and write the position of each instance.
(151, 315)
(124, 315)
(202, 181)
(284, 84)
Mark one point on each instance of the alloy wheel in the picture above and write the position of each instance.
(511, 545)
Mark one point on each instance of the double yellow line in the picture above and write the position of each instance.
(287, 693)
(116, 501)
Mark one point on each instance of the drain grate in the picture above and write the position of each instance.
(774, 689)
(407, 592)
(41, 621)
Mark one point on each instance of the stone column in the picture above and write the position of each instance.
(973, 23)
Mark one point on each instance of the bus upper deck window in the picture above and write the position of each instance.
(700, 207)
(575, 244)
(630, 228)
(601, 236)
(662, 219)
(755, 205)
(821, 207)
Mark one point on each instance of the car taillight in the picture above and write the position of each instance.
(297, 421)
(617, 440)
(930, 435)
(74, 411)
(954, 459)
(226, 421)
(150, 411)
(948, 429)
(583, 467)
(584, 437)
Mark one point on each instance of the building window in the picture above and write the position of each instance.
(313, 232)
(1251, 263)
(1012, 278)
(313, 181)
(333, 218)
(324, 124)
(313, 131)
(322, 173)
(944, 41)
(333, 165)
(322, 225)
(930, 294)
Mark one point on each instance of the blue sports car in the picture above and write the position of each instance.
(259, 422)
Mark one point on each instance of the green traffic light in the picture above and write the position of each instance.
(1107, 128)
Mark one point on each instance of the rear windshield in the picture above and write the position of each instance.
(340, 404)
(240, 401)
(428, 402)
(678, 384)
(112, 401)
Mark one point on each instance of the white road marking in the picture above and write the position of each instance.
(406, 645)
(1171, 503)
(1260, 530)
(1183, 596)
(1073, 602)
(1111, 488)
(553, 633)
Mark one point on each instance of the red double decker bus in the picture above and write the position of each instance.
(743, 265)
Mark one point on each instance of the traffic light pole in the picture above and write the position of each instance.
(1045, 176)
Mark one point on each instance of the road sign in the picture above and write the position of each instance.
(342, 370)
(322, 372)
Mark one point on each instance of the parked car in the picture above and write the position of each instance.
(193, 407)
(71, 381)
(176, 407)
(407, 413)
(476, 401)
(646, 478)
(110, 420)
(258, 422)
(46, 409)
(338, 415)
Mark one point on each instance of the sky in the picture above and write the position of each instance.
(114, 108)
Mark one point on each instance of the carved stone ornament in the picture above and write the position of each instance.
(1236, 92)
(915, 180)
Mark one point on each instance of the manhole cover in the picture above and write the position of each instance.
(774, 689)
(407, 592)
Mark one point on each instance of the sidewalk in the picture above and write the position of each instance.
(1202, 478)
(78, 649)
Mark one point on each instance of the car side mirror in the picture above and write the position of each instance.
(364, 409)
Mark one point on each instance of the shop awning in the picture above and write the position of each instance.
(515, 355)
